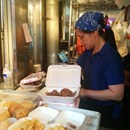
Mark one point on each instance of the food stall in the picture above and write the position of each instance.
(45, 108)
(50, 111)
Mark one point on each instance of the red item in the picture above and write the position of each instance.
(79, 47)
(128, 36)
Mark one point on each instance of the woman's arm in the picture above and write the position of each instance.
(115, 92)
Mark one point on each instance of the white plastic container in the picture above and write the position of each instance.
(67, 117)
(59, 77)
(44, 114)
(7, 76)
(35, 77)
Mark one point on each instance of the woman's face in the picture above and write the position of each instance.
(87, 39)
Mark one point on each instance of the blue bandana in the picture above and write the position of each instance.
(89, 21)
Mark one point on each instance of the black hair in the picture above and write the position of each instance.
(107, 33)
(110, 37)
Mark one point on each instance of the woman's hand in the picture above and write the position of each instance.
(81, 93)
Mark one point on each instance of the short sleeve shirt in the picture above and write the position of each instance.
(101, 69)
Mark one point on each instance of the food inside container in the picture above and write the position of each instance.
(62, 84)
(24, 123)
(54, 95)
(65, 92)
(33, 79)
(15, 109)
(6, 123)
(4, 113)
(9, 96)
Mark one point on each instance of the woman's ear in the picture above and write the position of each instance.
(95, 33)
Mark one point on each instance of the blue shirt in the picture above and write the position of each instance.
(101, 69)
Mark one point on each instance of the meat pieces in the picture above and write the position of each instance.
(64, 93)
(53, 93)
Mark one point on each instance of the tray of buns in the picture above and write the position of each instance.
(15, 105)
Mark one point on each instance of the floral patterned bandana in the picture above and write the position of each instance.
(89, 21)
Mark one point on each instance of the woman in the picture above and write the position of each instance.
(103, 85)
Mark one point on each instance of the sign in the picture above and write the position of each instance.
(27, 35)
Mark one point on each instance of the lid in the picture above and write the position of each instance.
(63, 76)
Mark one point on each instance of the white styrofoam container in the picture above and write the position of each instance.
(39, 76)
(74, 118)
(92, 118)
(59, 77)
(57, 99)
(44, 114)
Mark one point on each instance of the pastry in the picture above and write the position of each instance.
(5, 124)
(13, 107)
(4, 113)
(28, 105)
(20, 112)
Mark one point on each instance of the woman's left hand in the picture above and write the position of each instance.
(81, 93)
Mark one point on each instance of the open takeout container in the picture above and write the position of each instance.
(60, 77)
(70, 119)
(44, 114)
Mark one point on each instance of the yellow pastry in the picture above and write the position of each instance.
(20, 112)
(13, 107)
(4, 113)
(28, 105)
(5, 124)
